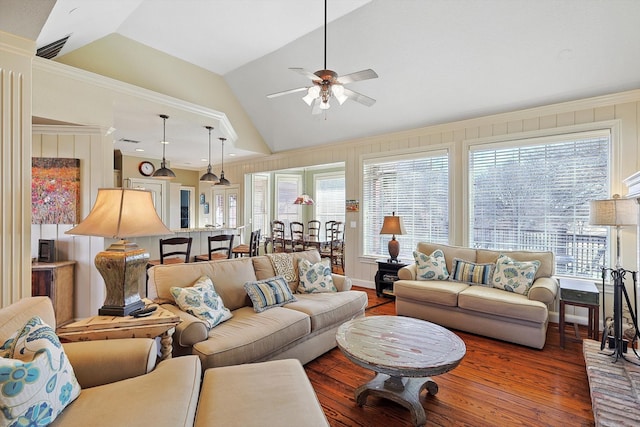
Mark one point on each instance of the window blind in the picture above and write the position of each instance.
(329, 198)
(416, 189)
(535, 196)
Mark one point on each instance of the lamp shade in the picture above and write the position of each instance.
(303, 199)
(392, 225)
(120, 213)
(613, 212)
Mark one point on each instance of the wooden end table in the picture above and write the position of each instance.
(161, 323)
(579, 293)
(405, 353)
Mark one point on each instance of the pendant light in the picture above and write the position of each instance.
(304, 198)
(164, 172)
(223, 180)
(209, 177)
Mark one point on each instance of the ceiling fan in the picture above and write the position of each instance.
(327, 83)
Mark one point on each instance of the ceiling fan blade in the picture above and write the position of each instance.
(359, 75)
(358, 97)
(286, 92)
(307, 74)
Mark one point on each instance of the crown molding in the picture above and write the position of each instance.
(224, 125)
(17, 45)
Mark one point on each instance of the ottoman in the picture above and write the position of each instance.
(274, 393)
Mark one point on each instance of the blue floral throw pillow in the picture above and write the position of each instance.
(202, 301)
(514, 276)
(36, 379)
(431, 267)
(315, 278)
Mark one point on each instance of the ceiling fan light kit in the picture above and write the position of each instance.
(327, 83)
(164, 172)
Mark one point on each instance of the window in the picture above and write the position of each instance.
(260, 206)
(287, 190)
(416, 188)
(329, 197)
(534, 195)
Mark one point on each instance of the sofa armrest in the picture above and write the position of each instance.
(106, 361)
(342, 283)
(407, 272)
(544, 289)
(191, 330)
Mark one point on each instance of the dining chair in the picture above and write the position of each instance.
(278, 241)
(250, 249)
(313, 234)
(297, 236)
(334, 246)
(217, 248)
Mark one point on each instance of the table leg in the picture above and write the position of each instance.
(166, 344)
(561, 324)
(403, 391)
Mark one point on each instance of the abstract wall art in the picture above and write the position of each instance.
(55, 190)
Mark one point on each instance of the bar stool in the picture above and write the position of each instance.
(252, 248)
(217, 251)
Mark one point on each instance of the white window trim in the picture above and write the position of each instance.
(610, 127)
(447, 148)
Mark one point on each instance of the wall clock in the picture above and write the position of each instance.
(146, 168)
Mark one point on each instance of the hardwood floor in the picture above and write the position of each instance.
(496, 384)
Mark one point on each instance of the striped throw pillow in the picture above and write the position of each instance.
(472, 273)
(269, 293)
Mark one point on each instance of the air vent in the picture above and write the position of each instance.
(51, 50)
(131, 141)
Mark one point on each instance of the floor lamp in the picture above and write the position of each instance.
(616, 212)
(119, 214)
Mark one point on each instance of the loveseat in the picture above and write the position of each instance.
(117, 382)
(303, 329)
(472, 303)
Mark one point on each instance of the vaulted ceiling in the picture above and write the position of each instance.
(437, 60)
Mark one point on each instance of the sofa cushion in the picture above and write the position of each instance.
(472, 273)
(546, 258)
(450, 252)
(501, 303)
(275, 393)
(264, 267)
(514, 276)
(432, 291)
(431, 267)
(269, 293)
(202, 300)
(251, 336)
(37, 379)
(315, 278)
(330, 309)
(165, 397)
(229, 276)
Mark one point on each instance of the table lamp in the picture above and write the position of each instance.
(118, 214)
(615, 212)
(393, 225)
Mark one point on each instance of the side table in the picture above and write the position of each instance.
(579, 293)
(386, 275)
(161, 323)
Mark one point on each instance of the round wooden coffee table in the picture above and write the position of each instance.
(405, 353)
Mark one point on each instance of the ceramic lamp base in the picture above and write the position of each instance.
(121, 267)
(394, 249)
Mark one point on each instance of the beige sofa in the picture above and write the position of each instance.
(122, 386)
(302, 330)
(478, 309)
